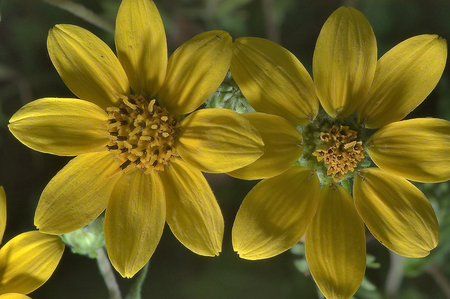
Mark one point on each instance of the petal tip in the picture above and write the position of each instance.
(222, 34)
(249, 254)
(212, 252)
(241, 254)
(126, 271)
(443, 41)
(57, 27)
(47, 230)
(250, 257)
(216, 251)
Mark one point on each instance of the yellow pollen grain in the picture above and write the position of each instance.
(141, 135)
(343, 152)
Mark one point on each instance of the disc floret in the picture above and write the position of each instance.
(341, 153)
(333, 147)
(142, 134)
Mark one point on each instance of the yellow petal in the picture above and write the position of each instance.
(273, 80)
(192, 210)
(218, 140)
(336, 244)
(77, 194)
(87, 65)
(134, 221)
(196, 69)
(28, 261)
(282, 147)
(2, 212)
(14, 296)
(61, 126)
(141, 45)
(415, 149)
(344, 61)
(396, 213)
(404, 77)
(276, 213)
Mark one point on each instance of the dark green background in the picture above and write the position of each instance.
(26, 73)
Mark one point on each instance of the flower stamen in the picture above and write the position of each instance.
(141, 134)
(342, 153)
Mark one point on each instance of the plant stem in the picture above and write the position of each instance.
(395, 275)
(272, 24)
(108, 274)
(136, 289)
(82, 12)
(440, 279)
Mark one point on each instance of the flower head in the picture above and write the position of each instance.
(331, 153)
(28, 260)
(138, 158)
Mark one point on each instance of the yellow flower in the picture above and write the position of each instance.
(27, 261)
(314, 198)
(124, 153)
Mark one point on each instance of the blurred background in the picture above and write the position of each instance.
(26, 73)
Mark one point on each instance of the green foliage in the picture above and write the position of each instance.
(229, 96)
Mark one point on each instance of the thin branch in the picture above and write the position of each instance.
(272, 24)
(441, 280)
(82, 12)
(395, 275)
(136, 289)
(350, 3)
(108, 274)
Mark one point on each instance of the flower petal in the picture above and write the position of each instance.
(396, 213)
(344, 61)
(77, 194)
(218, 140)
(196, 69)
(28, 260)
(273, 80)
(404, 77)
(192, 210)
(282, 143)
(2, 212)
(14, 296)
(87, 65)
(134, 221)
(61, 126)
(336, 244)
(276, 213)
(141, 45)
(415, 149)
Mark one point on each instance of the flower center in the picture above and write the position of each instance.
(341, 153)
(142, 134)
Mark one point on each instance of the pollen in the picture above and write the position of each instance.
(141, 134)
(341, 153)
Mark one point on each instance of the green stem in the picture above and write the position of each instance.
(82, 12)
(108, 274)
(136, 289)
(395, 275)
(272, 24)
(440, 279)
